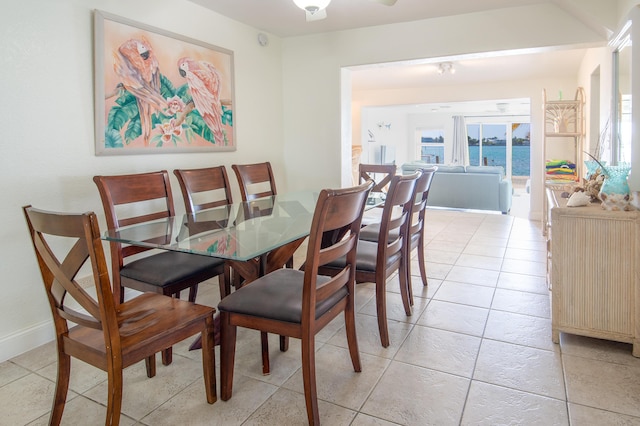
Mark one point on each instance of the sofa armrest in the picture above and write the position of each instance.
(506, 195)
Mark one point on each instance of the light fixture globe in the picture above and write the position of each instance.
(312, 6)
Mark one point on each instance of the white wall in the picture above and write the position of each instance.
(290, 108)
(47, 115)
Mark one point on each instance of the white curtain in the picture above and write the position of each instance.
(460, 143)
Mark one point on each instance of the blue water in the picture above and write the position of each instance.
(496, 156)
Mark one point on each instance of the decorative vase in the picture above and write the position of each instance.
(614, 193)
(592, 167)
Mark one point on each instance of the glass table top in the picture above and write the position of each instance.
(240, 231)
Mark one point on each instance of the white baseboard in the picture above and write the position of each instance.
(24, 340)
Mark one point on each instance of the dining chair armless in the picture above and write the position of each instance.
(416, 230)
(377, 260)
(206, 188)
(381, 175)
(105, 334)
(141, 198)
(300, 303)
(255, 180)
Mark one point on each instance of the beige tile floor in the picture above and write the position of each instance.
(476, 351)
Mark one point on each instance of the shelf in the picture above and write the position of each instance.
(562, 119)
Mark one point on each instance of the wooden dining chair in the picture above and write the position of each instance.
(416, 231)
(255, 180)
(300, 303)
(204, 188)
(105, 334)
(381, 175)
(207, 188)
(377, 260)
(141, 198)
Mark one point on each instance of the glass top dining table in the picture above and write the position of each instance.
(240, 231)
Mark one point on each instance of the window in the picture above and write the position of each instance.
(431, 146)
(500, 144)
(520, 149)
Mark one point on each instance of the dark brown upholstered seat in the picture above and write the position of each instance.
(107, 335)
(165, 273)
(299, 304)
(376, 261)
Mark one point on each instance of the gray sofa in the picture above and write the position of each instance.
(467, 187)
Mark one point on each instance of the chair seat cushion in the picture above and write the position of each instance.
(169, 267)
(277, 296)
(366, 257)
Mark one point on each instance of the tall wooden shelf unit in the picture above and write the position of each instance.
(563, 138)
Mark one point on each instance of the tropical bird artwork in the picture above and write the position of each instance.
(138, 69)
(204, 81)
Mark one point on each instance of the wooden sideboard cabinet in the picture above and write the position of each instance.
(594, 272)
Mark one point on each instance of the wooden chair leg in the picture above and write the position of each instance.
(403, 273)
(352, 339)
(167, 356)
(62, 387)
(114, 399)
(227, 356)
(309, 379)
(381, 310)
(264, 340)
(193, 292)
(421, 262)
(410, 287)
(150, 363)
(209, 360)
(284, 343)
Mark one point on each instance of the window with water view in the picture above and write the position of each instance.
(431, 149)
(501, 144)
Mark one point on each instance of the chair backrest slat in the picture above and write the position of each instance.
(194, 182)
(255, 180)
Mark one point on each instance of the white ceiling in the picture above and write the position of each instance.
(489, 68)
(284, 19)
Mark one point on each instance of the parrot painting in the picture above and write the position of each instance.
(137, 67)
(203, 80)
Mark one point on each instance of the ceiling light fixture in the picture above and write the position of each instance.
(312, 6)
(446, 67)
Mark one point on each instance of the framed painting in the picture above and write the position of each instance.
(159, 92)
